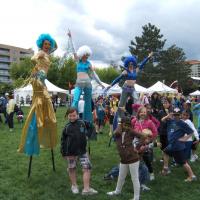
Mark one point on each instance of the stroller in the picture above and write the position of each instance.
(20, 115)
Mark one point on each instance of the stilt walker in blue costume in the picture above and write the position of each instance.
(131, 70)
(85, 72)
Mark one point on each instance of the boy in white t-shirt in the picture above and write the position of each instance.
(185, 117)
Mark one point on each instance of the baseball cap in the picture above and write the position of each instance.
(176, 111)
(188, 101)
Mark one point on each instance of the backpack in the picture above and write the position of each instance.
(112, 174)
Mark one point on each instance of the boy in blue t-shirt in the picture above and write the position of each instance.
(176, 135)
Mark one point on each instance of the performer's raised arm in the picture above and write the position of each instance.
(141, 65)
(72, 45)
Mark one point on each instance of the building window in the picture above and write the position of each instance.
(2, 50)
(4, 58)
(4, 66)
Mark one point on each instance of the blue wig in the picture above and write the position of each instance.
(129, 59)
(42, 38)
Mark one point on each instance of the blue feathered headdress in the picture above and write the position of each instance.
(42, 38)
(129, 59)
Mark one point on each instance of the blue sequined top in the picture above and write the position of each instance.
(83, 66)
(130, 75)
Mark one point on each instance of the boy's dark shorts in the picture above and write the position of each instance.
(163, 141)
(194, 146)
(179, 157)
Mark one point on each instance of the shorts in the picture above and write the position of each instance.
(163, 141)
(84, 161)
(194, 146)
(188, 149)
(179, 157)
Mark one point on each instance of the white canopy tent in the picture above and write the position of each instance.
(160, 87)
(140, 89)
(116, 89)
(196, 78)
(196, 93)
(27, 92)
(98, 90)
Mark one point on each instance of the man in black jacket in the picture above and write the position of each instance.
(73, 146)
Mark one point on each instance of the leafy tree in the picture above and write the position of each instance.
(53, 73)
(21, 69)
(5, 87)
(67, 74)
(107, 75)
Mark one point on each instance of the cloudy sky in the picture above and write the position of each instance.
(107, 26)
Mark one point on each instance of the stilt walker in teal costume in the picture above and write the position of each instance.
(85, 72)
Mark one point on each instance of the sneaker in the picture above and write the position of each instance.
(108, 177)
(196, 156)
(152, 177)
(190, 179)
(173, 164)
(192, 159)
(165, 171)
(74, 189)
(91, 191)
(113, 193)
(144, 187)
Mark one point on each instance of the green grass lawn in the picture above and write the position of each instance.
(44, 184)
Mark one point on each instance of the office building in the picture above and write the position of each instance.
(8, 55)
(195, 67)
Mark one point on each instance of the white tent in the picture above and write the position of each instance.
(27, 92)
(196, 78)
(98, 90)
(140, 89)
(116, 89)
(161, 87)
(196, 93)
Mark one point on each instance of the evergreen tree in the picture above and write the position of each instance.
(151, 40)
(173, 67)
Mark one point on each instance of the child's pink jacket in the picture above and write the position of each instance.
(145, 124)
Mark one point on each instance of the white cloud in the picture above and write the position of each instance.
(105, 25)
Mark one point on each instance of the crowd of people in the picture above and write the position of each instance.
(154, 121)
(8, 108)
(136, 124)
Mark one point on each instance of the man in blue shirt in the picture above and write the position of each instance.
(3, 103)
(177, 134)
